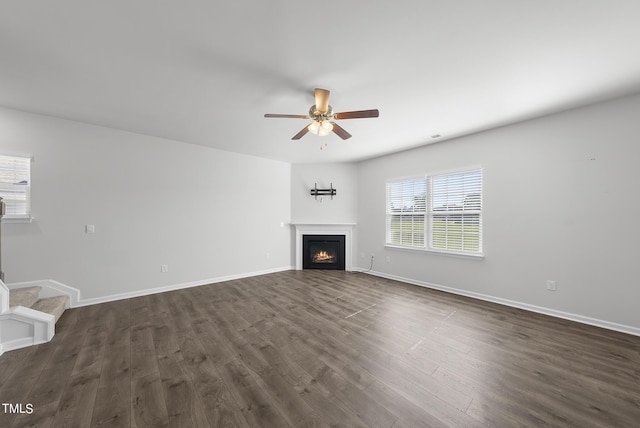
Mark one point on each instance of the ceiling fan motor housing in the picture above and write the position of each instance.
(319, 116)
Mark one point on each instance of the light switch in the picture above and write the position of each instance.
(90, 228)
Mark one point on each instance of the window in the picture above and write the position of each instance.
(406, 210)
(455, 209)
(15, 186)
(440, 212)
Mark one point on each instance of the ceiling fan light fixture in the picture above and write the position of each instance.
(313, 128)
(320, 127)
(325, 128)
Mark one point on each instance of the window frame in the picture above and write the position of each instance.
(21, 217)
(458, 215)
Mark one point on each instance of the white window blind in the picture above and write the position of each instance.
(455, 212)
(440, 212)
(15, 186)
(406, 210)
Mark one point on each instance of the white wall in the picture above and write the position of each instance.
(206, 213)
(560, 202)
(343, 208)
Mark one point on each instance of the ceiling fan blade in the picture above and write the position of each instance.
(357, 114)
(290, 116)
(322, 100)
(301, 133)
(340, 131)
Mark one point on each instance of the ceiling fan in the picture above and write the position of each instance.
(323, 117)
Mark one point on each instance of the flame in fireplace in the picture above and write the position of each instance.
(323, 257)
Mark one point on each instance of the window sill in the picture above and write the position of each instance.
(470, 256)
(14, 220)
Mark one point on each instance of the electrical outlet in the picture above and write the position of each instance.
(164, 268)
(387, 259)
(551, 285)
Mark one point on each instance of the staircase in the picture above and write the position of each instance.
(29, 312)
(29, 298)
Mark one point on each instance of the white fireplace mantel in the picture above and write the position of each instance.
(346, 229)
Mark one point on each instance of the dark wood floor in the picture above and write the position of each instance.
(319, 348)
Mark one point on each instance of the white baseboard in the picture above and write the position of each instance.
(148, 291)
(21, 343)
(539, 309)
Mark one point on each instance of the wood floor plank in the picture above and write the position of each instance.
(22, 374)
(312, 421)
(255, 404)
(184, 407)
(409, 413)
(248, 344)
(317, 349)
(392, 370)
(220, 408)
(9, 363)
(364, 405)
(278, 349)
(148, 405)
(286, 395)
(78, 398)
(113, 399)
(321, 400)
(213, 343)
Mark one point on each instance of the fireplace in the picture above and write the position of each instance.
(323, 252)
(330, 230)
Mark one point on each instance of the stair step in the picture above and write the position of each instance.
(52, 305)
(24, 296)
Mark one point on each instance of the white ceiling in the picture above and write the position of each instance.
(205, 72)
